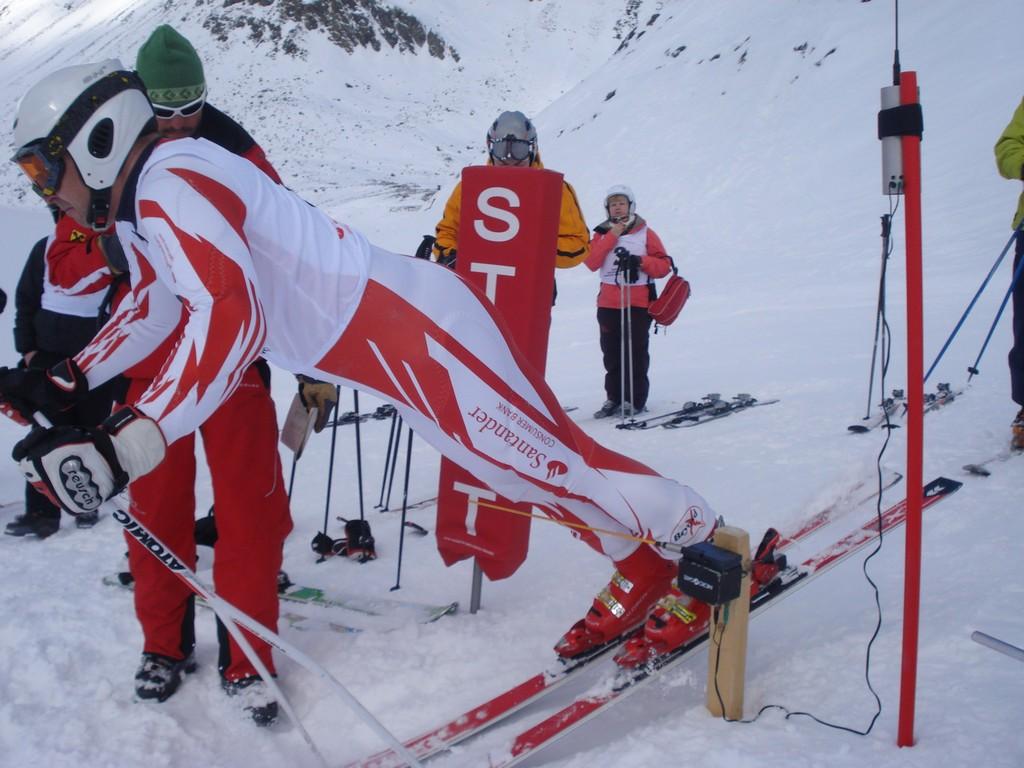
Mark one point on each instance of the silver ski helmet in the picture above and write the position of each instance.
(512, 137)
(94, 113)
(624, 191)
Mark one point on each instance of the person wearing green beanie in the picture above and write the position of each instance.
(175, 82)
(246, 564)
(170, 68)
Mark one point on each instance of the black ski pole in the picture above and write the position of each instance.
(330, 472)
(880, 310)
(394, 465)
(387, 461)
(405, 506)
(291, 480)
(1009, 292)
(970, 306)
(359, 454)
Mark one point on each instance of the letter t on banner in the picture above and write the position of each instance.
(508, 236)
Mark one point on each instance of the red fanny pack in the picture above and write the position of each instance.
(666, 308)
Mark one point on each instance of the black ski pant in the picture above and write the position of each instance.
(610, 322)
(1016, 356)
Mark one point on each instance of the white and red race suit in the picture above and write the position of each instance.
(261, 271)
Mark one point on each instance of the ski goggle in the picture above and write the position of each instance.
(45, 172)
(185, 110)
(511, 149)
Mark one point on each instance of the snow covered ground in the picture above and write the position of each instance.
(753, 154)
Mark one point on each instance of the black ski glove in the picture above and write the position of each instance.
(445, 256)
(50, 391)
(425, 247)
(628, 265)
(79, 468)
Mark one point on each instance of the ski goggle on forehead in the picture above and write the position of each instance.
(185, 110)
(45, 172)
(511, 148)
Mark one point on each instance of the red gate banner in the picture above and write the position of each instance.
(508, 235)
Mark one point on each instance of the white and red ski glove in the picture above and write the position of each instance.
(79, 468)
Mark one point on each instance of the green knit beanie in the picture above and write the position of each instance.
(170, 68)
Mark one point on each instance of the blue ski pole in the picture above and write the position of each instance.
(974, 300)
(1009, 292)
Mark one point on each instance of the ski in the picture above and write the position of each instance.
(351, 417)
(307, 608)
(627, 681)
(411, 505)
(689, 407)
(943, 395)
(887, 410)
(719, 410)
(507, 703)
(981, 468)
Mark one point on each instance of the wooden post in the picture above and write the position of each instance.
(730, 634)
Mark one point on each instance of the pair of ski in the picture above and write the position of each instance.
(607, 691)
(710, 407)
(896, 406)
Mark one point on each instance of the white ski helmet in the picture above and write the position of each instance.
(624, 191)
(94, 112)
(512, 137)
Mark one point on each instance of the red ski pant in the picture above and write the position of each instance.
(252, 515)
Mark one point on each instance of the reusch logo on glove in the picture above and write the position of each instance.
(77, 480)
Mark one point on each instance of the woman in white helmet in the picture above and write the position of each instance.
(628, 255)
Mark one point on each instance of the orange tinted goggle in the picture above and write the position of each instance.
(44, 172)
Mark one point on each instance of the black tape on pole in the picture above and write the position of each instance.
(904, 120)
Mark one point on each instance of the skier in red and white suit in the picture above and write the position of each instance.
(260, 271)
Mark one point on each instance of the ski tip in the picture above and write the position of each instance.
(942, 485)
(976, 469)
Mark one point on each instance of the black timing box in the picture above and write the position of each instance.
(710, 574)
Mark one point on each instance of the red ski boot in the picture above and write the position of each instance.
(637, 583)
(767, 562)
(675, 620)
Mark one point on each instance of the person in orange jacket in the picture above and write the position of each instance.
(512, 141)
(629, 255)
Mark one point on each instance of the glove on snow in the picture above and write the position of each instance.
(360, 544)
(319, 395)
(79, 468)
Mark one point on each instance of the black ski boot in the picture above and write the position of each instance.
(158, 676)
(32, 523)
(255, 698)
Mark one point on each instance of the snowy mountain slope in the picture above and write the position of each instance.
(760, 170)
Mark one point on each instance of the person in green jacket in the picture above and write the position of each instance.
(1010, 161)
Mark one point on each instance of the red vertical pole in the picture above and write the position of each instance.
(911, 146)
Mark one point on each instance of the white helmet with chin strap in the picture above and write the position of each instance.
(623, 191)
(94, 113)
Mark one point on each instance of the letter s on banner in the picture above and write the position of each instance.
(483, 202)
